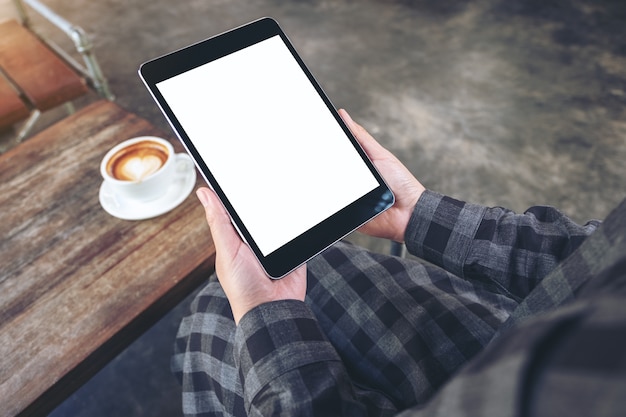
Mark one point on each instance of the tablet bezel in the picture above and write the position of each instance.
(307, 245)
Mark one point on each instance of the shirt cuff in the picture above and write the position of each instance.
(275, 338)
(441, 230)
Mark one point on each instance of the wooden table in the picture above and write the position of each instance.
(76, 284)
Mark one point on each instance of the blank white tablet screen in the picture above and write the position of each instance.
(276, 151)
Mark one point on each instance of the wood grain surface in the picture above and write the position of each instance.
(76, 284)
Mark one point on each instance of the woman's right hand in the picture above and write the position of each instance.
(407, 189)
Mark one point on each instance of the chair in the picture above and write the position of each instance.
(36, 74)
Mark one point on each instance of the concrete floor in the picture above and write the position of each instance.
(500, 102)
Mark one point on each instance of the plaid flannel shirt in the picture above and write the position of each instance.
(566, 361)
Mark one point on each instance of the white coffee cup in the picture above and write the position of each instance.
(142, 168)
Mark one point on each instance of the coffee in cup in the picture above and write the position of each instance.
(137, 161)
(142, 168)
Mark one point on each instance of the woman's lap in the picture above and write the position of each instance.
(401, 326)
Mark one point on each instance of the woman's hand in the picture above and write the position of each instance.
(392, 223)
(245, 283)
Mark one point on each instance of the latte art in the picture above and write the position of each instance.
(138, 168)
(138, 161)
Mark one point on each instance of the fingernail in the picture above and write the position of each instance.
(204, 200)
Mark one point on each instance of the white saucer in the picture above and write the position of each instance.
(127, 209)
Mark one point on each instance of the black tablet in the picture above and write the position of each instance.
(268, 141)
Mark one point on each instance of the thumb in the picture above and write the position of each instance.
(216, 215)
(206, 199)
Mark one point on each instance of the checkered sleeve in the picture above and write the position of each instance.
(495, 245)
(288, 367)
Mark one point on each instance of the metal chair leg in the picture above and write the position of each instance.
(91, 69)
(34, 116)
(70, 108)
